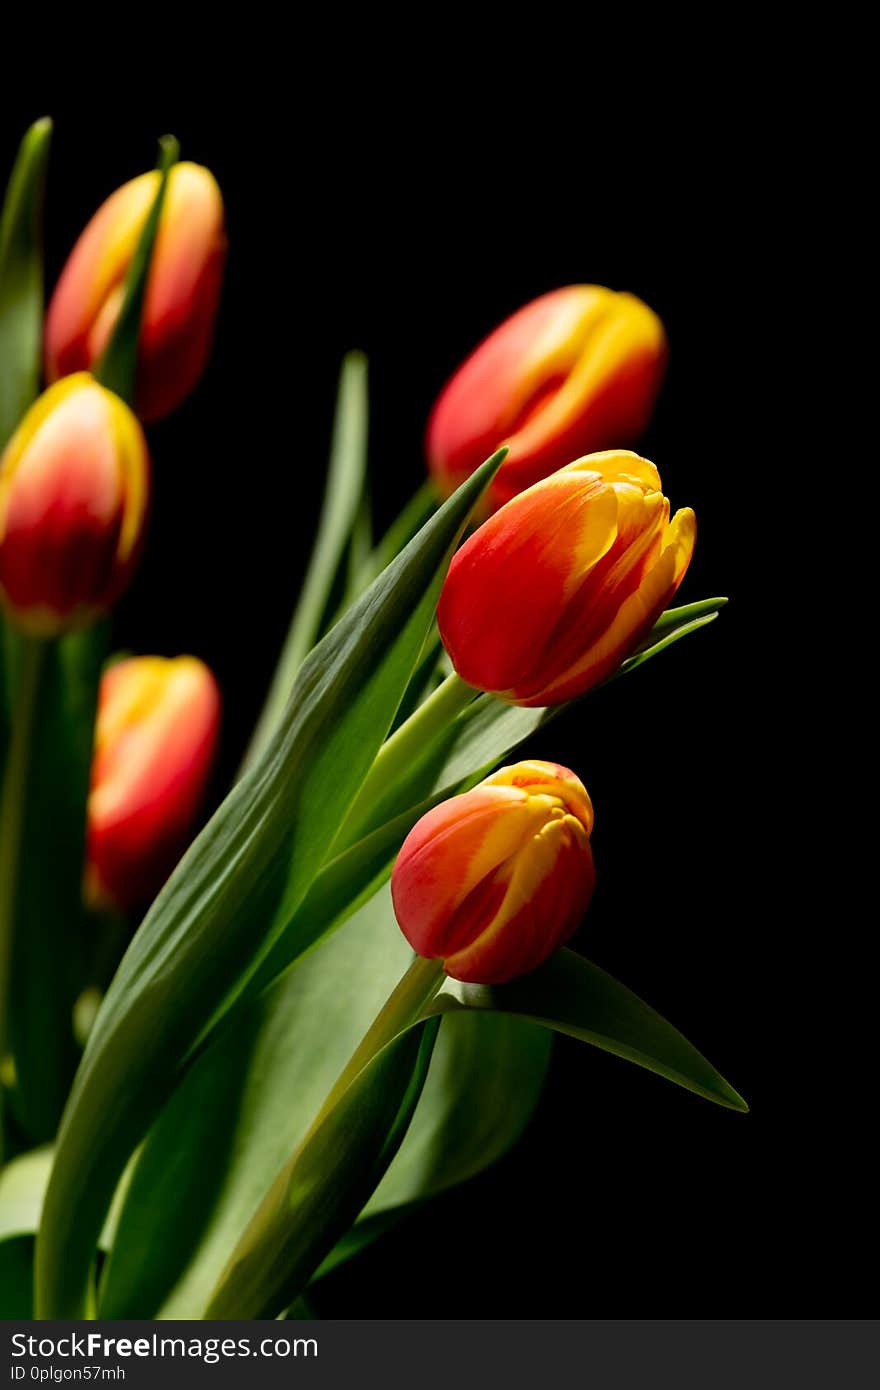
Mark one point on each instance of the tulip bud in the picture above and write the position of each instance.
(573, 371)
(494, 881)
(183, 289)
(74, 488)
(155, 737)
(554, 591)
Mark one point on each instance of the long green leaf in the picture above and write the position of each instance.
(218, 915)
(336, 1169)
(572, 995)
(21, 324)
(49, 922)
(415, 513)
(21, 278)
(251, 1097)
(346, 478)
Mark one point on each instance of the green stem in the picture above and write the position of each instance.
(416, 988)
(31, 663)
(403, 748)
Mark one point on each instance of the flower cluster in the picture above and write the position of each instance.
(376, 763)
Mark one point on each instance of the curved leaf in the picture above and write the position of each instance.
(21, 329)
(48, 918)
(21, 278)
(572, 995)
(320, 1192)
(218, 915)
(343, 493)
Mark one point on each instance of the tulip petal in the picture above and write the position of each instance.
(504, 380)
(154, 744)
(182, 292)
(455, 851)
(608, 395)
(548, 893)
(74, 483)
(96, 266)
(510, 580)
(635, 617)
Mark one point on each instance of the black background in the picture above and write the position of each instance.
(411, 238)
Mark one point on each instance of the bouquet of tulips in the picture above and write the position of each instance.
(230, 1062)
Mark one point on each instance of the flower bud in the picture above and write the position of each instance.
(155, 738)
(554, 591)
(573, 371)
(74, 489)
(183, 289)
(494, 881)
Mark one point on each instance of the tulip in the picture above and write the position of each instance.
(182, 294)
(574, 371)
(74, 488)
(494, 881)
(155, 738)
(554, 591)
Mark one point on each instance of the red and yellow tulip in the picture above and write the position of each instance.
(494, 881)
(182, 295)
(574, 371)
(554, 591)
(74, 490)
(155, 738)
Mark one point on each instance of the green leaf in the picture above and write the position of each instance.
(252, 1095)
(116, 369)
(227, 901)
(333, 1173)
(485, 1081)
(21, 324)
(420, 507)
(672, 625)
(343, 495)
(572, 995)
(46, 922)
(21, 278)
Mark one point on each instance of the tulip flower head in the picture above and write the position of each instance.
(494, 881)
(74, 489)
(574, 371)
(183, 289)
(554, 591)
(155, 738)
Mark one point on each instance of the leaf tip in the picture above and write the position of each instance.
(732, 1099)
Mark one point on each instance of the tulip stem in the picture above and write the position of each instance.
(31, 663)
(402, 751)
(413, 991)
